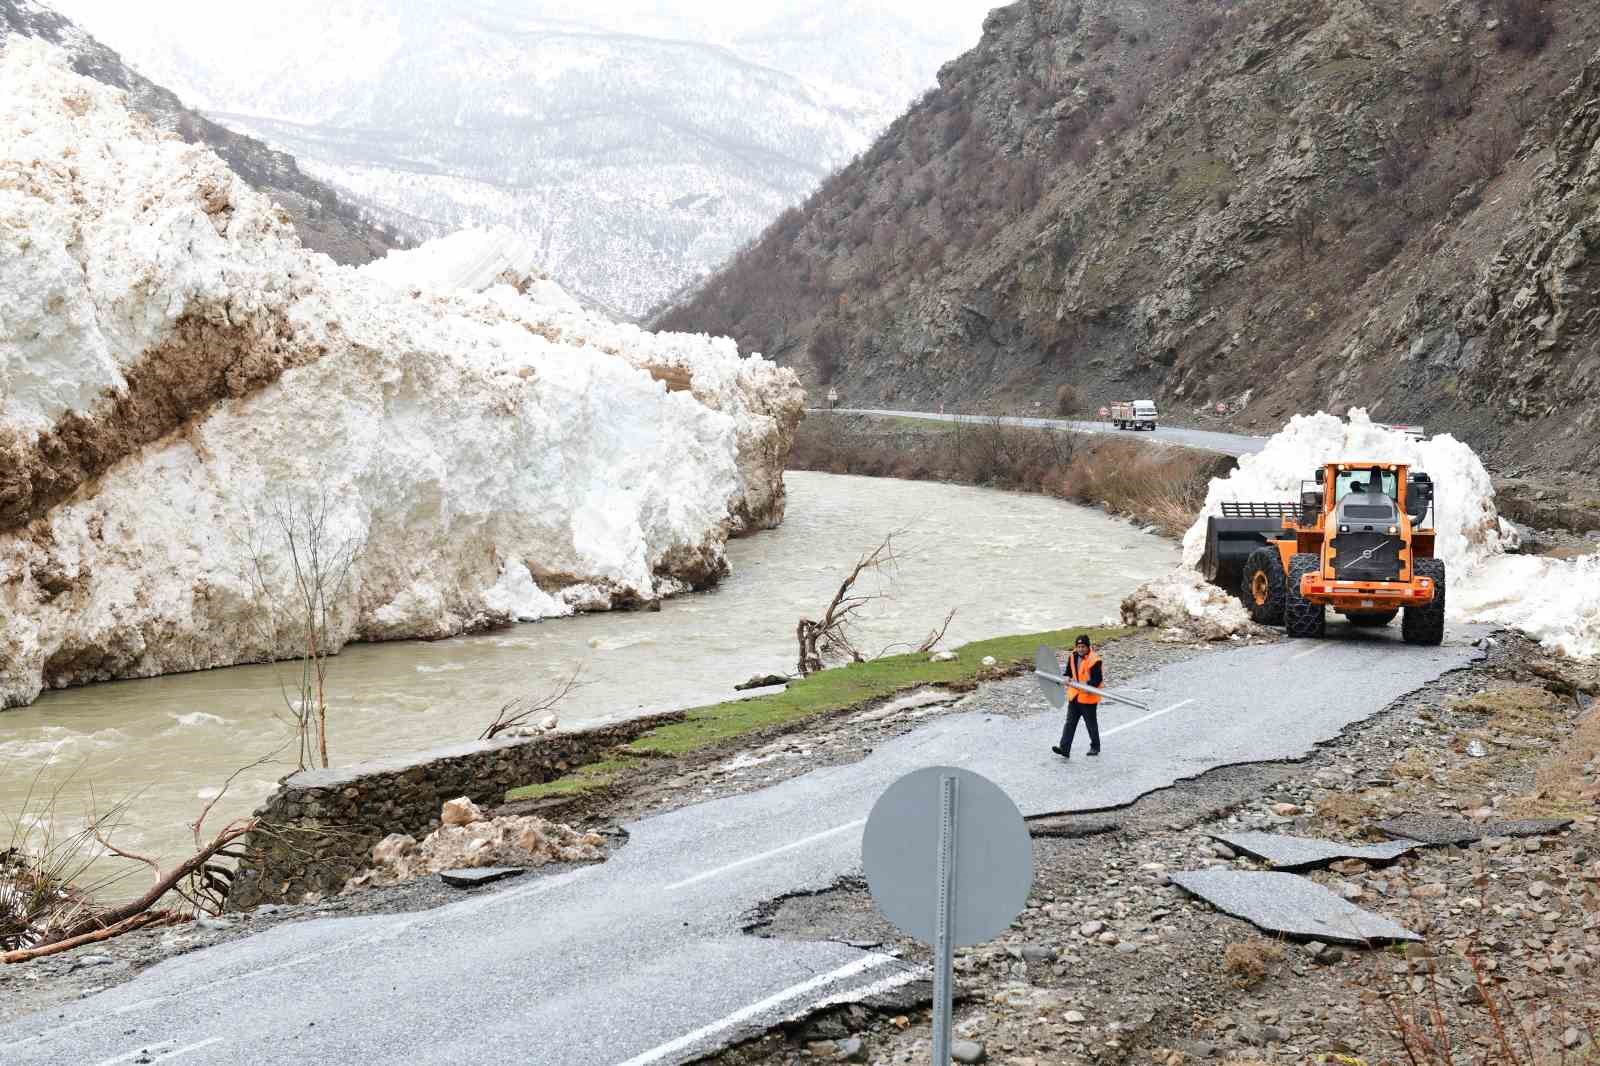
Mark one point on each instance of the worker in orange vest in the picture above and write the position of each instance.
(1083, 666)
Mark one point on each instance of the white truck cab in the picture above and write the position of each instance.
(1134, 414)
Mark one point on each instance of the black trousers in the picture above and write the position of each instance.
(1089, 712)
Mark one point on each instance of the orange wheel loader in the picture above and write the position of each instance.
(1360, 540)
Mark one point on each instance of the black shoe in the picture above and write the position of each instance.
(1094, 751)
(1057, 749)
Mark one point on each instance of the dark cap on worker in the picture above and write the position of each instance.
(1083, 638)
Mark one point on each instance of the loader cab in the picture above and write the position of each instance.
(1374, 482)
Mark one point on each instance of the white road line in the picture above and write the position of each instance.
(656, 1054)
(1321, 646)
(1146, 718)
(156, 1052)
(857, 824)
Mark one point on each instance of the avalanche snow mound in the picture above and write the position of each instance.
(1555, 601)
(176, 372)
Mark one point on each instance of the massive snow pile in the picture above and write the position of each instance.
(1555, 601)
(175, 371)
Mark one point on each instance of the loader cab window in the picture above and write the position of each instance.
(1349, 481)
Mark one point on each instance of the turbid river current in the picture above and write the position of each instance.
(1007, 563)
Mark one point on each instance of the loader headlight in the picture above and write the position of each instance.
(1344, 529)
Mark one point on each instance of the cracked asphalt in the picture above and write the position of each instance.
(642, 959)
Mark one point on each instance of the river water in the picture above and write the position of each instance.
(1008, 563)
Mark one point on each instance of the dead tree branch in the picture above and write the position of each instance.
(518, 712)
(128, 925)
(831, 635)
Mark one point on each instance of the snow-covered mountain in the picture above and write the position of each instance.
(637, 144)
(325, 221)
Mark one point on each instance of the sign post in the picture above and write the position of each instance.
(949, 861)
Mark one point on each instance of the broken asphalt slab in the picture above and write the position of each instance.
(481, 875)
(1305, 853)
(1441, 831)
(1289, 905)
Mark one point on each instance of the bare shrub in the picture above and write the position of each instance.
(1068, 402)
(831, 636)
(1248, 962)
(516, 715)
(321, 558)
(1164, 486)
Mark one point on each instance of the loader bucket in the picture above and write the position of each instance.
(1229, 542)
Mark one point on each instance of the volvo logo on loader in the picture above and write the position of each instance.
(1359, 540)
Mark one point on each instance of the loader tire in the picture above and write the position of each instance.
(1371, 621)
(1424, 623)
(1262, 586)
(1301, 617)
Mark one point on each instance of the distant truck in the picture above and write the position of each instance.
(1134, 414)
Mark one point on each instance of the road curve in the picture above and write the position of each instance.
(642, 960)
(1226, 443)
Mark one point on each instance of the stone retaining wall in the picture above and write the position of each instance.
(320, 826)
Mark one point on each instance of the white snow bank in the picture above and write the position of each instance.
(1182, 600)
(495, 459)
(1554, 601)
(472, 260)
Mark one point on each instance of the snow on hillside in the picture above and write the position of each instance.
(637, 144)
(1555, 601)
(174, 368)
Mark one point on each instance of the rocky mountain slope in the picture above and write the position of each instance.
(192, 406)
(325, 221)
(638, 144)
(1269, 205)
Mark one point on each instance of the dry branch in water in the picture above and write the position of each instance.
(199, 880)
(831, 635)
(517, 713)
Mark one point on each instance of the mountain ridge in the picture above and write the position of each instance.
(1267, 206)
(639, 150)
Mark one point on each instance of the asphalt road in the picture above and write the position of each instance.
(641, 960)
(1226, 443)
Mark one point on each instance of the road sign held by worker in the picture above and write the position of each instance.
(949, 861)
(1055, 685)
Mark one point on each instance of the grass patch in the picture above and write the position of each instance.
(587, 779)
(847, 686)
(830, 690)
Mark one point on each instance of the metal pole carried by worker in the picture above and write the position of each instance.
(1083, 677)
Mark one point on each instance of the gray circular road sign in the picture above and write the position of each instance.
(991, 855)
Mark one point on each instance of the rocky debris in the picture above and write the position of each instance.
(968, 1051)
(1290, 905)
(471, 840)
(762, 681)
(1185, 607)
(461, 811)
(1301, 853)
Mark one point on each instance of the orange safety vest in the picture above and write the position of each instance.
(1085, 669)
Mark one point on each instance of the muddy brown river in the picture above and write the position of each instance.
(1007, 562)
